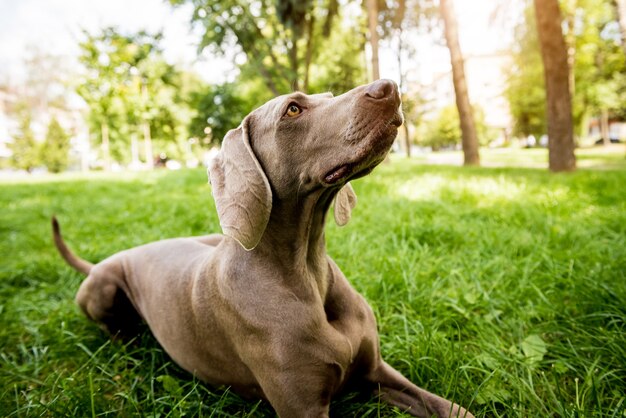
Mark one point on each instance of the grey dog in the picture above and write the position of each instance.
(263, 308)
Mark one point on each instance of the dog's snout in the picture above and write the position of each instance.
(381, 89)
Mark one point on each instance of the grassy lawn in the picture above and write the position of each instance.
(597, 157)
(501, 288)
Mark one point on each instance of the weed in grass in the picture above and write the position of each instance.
(503, 289)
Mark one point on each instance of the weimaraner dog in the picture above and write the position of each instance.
(263, 309)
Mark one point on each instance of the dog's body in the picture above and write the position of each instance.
(264, 309)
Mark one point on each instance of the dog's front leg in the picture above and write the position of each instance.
(297, 394)
(397, 390)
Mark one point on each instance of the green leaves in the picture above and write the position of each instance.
(288, 45)
(534, 348)
(54, 153)
(128, 85)
(170, 385)
(445, 131)
(598, 67)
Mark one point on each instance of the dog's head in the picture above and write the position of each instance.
(296, 145)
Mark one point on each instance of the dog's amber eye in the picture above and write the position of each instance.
(293, 110)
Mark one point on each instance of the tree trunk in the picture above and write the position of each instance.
(468, 128)
(134, 151)
(604, 127)
(255, 54)
(372, 13)
(269, 80)
(145, 126)
(621, 17)
(407, 139)
(147, 144)
(84, 152)
(309, 51)
(106, 152)
(556, 73)
(571, 45)
(293, 60)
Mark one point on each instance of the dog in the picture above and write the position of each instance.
(263, 308)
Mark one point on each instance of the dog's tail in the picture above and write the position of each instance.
(73, 260)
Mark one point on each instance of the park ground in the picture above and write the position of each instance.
(502, 287)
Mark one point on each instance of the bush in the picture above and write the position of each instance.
(445, 130)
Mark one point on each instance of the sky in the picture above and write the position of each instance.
(55, 26)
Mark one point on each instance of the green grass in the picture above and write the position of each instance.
(502, 288)
(596, 157)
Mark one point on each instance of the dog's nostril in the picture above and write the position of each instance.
(380, 89)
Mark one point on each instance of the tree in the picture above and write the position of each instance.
(620, 7)
(132, 92)
(525, 89)
(444, 130)
(397, 24)
(372, 18)
(270, 35)
(151, 102)
(287, 44)
(389, 25)
(599, 69)
(600, 66)
(100, 84)
(43, 89)
(55, 149)
(25, 150)
(468, 129)
(295, 15)
(220, 108)
(556, 75)
(340, 64)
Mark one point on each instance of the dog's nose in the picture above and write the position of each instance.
(381, 89)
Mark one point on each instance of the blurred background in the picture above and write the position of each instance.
(118, 85)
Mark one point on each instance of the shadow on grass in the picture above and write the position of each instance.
(478, 262)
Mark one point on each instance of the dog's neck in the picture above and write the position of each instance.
(294, 240)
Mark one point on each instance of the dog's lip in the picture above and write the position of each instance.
(398, 119)
(356, 168)
(349, 171)
(337, 173)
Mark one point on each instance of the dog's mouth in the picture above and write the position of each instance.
(369, 156)
(397, 119)
(337, 173)
(351, 171)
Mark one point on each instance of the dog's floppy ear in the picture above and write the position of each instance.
(242, 193)
(345, 201)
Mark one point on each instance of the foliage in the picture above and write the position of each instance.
(127, 82)
(24, 147)
(599, 67)
(56, 147)
(338, 67)
(525, 89)
(46, 85)
(222, 107)
(502, 289)
(293, 14)
(105, 58)
(280, 40)
(417, 14)
(340, 63)
(45, 89)
(445, 131)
